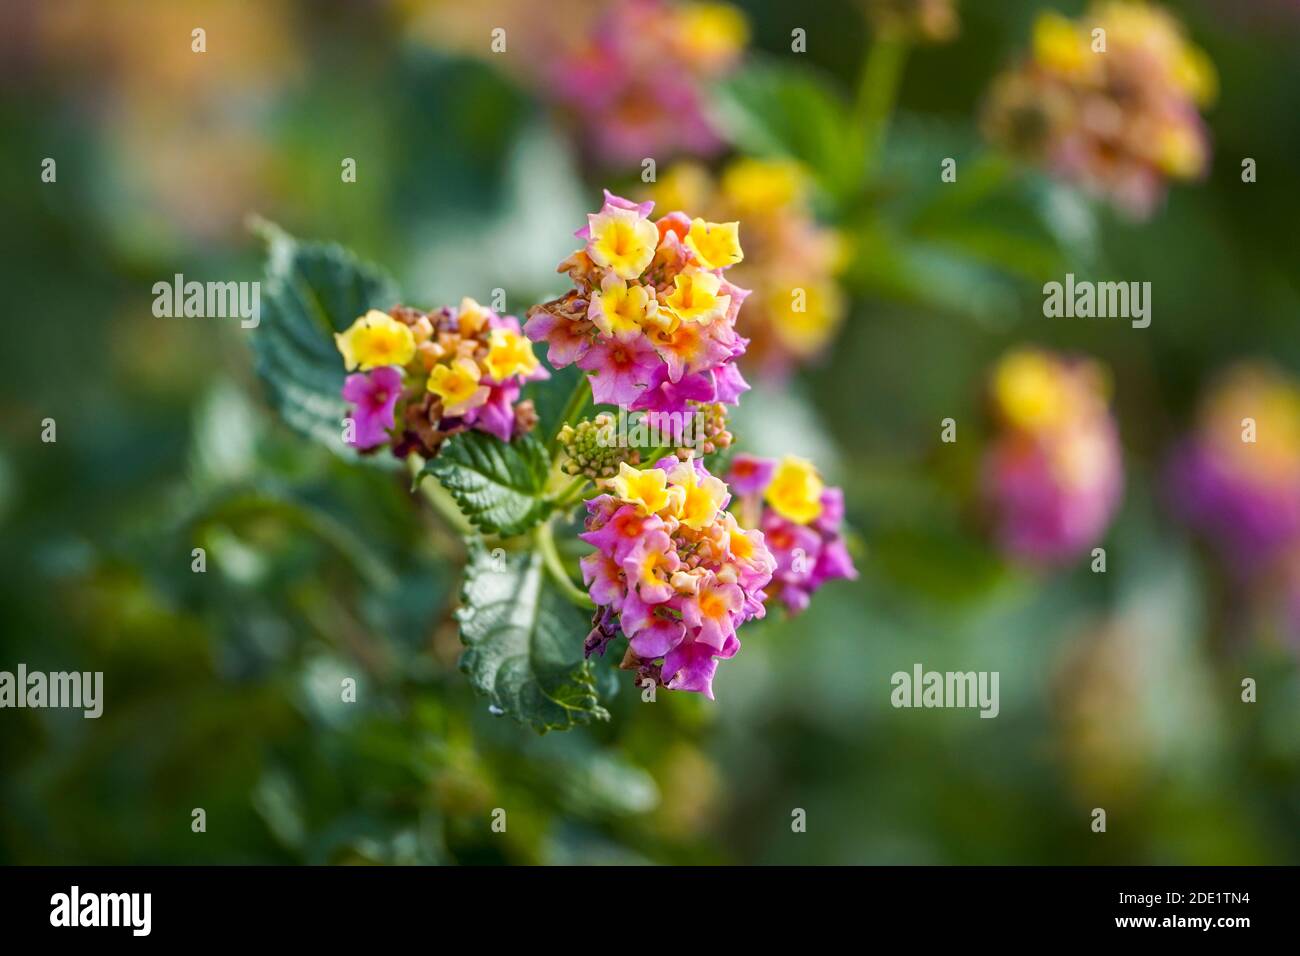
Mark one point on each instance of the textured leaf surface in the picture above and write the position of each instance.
(524, 642)
(497, 486)
(311, 291)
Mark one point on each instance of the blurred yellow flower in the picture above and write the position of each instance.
(1062, 46)
(760, 186)
(790, 260)
(1252, 418)
(1108, 101)
(711, 34)
(1029, 392)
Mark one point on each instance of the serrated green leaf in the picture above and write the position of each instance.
(311, 291)
(497, 486)
(524, 642)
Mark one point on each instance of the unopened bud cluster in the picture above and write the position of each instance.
(712, 435)
(589, 450)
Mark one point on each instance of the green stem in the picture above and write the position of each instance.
(571, 494)
(882, 72)
(575, 406)
(545, 539)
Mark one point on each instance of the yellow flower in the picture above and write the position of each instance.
(509, 353)
(715, 244)
(701, 500)
(804, 317)
(618, 308)
(739, 543)
(685, 186)
(1029, 390)
(759, 186)
(648, 489)
(1160, 38)
(458, 386)
(695, 297)
(1194, 72)
(375, 340)
(795, 492)
(471, 317)
(1269, 402)
(711, 34)
(622, 241)
(1179, 151)
(1060, 45)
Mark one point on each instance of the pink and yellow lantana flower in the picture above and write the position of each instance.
(1110, 101)
(446, 370)
(791, 261)
(652, 318)
(801, 520)
(673, 571)
(1053, 476)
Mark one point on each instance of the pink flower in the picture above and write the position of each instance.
(621, 530)
(1053, 476)
(805, 553)
(567, 339)
(632, 79)
(604, 579)
(655, 325)
(443, 371)
(657, 636)
(691, 666)
(673, 572)
(374, 395)
(649, 565)
(497, 415)
(712, 611)
(622, 369)
(730, 383)
(662, 395)
(750, 474)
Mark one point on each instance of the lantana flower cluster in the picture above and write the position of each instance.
(673, 570)
(420, 377)
(791, 260)
(630, 76)
(1121, 122)
(1236, 479)
(651, 316)
(1053, 476)
(801, 519)
(634, 82)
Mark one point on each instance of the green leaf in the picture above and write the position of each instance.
(551, 397)
(311, 291)
(524, 642)
(497, 486)
(772, 109)
(892, 265)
